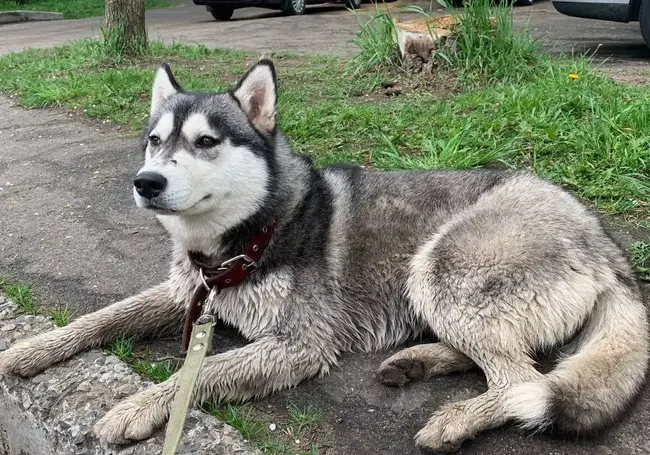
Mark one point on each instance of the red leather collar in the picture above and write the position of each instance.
(230, 273)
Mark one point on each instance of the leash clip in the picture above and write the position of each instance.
(206, 319)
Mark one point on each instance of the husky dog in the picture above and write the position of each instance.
(497, 264)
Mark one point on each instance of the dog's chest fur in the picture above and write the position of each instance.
(254, 307)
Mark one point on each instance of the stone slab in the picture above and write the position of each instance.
(54, 412)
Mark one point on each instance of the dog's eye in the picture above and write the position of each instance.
(154, 140)
(206, 141)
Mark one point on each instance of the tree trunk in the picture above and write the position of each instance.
(123, 28)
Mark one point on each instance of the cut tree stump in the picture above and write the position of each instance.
(418, 39)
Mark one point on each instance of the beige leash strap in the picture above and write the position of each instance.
(200, 344)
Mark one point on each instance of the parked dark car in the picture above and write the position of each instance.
(609, 10)
(222, 10)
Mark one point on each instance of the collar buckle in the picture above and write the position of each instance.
(248, 262)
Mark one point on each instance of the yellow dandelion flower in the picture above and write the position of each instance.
(573, 76)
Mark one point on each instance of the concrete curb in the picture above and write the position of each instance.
(53, 413)
(9, 17)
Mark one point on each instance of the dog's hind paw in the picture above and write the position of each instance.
(445, 432)
(134, 419)
(399, 371)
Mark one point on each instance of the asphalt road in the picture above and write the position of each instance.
(328, 29)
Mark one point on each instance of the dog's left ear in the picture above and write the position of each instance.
(257, 96)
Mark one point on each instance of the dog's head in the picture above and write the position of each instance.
(209, 152)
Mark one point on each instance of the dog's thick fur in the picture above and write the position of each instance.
(497, 264)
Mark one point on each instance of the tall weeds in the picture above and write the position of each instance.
(487, 47)
(375, 40)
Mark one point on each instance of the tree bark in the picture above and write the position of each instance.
(123, 28)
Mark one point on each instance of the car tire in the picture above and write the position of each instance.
(353, 4)
(294, 7)
(221, 13)
(524, 2)
(644, 21)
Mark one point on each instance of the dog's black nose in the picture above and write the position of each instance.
(149, 184)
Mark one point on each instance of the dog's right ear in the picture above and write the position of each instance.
(164, 86)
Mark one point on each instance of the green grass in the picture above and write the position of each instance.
(301, 419)
(60, 316)
(158, 371)
(20, 294)
(588, 134)
(119, 44)
(640, 258)
(83, 77)
(242, 418)
(124, 349)
(295, 433)
(375, 42)
(71, 9)
(487, 48)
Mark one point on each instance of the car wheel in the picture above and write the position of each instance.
(353, 4)
(644, 21)
(294, 7)
(221, 13)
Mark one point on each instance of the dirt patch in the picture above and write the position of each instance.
(636, 75)
(399, 82)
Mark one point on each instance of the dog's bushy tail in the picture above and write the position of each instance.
(593, 384)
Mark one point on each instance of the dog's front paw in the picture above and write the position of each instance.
(26, 359)
(134, 419)
(445, 431)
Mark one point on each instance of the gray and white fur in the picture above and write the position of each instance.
(498, 265)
